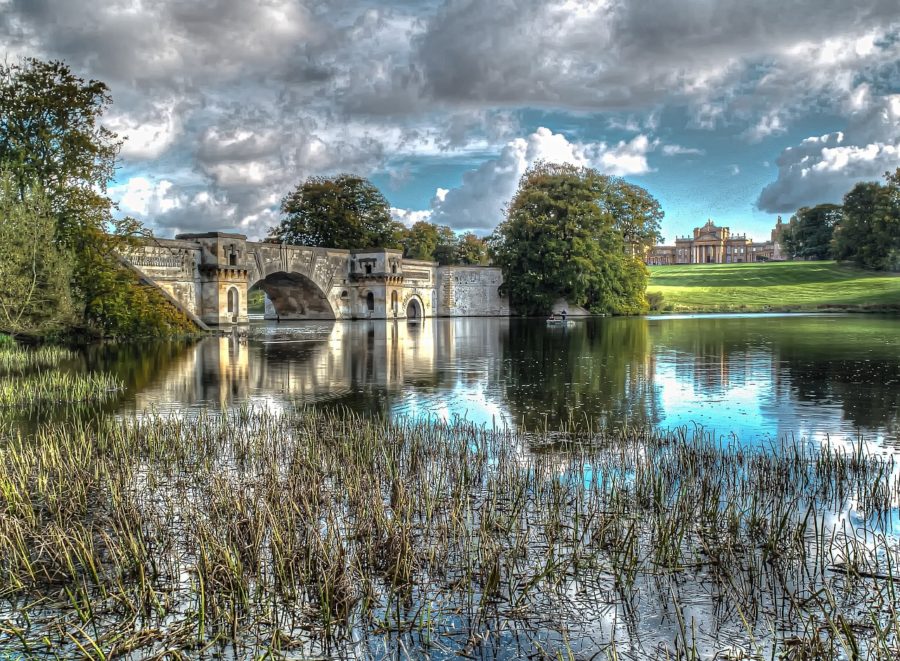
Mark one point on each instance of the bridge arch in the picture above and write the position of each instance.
(295, 296)
(414, 308)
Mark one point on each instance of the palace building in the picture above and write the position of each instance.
(716, 245)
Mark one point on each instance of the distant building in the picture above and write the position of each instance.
(716, 245)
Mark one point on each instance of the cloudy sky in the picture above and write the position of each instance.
(733, 110)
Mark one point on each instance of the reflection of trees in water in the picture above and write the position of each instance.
(602, 370)
(863, 375)
(138, 364)
(853, 362)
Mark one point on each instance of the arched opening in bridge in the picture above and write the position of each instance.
(234, 299)
(394, 303)
(370, 302)
(293, 296)
(413, 309)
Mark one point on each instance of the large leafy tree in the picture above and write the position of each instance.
(561, 240)
(345, 211)
(869, 232)
(810, 231)
(35, 272)
(471, 249)
(420, 240)
(447, 246)
(636, 212)
(54, 147)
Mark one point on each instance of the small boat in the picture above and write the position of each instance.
(560, 321)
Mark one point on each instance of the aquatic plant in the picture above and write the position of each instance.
(55, 387)
(16, 360)
(324, 533)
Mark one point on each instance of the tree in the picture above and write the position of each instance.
(637, 214)
(869, 233)
(420, 240)
(471, 250)
(345, 211)
(54, 146)
(559, 240)
(35, 295)
(810, 231)
(445, 251)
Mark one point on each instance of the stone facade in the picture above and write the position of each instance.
(210, 275)
(716, 245)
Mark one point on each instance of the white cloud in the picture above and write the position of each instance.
(408, 217)
(479, 202)
(823, 168)
(678, 150)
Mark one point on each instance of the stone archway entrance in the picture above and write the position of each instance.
(413, 309)
(294, 296)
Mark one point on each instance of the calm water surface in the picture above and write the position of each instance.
(758, 377)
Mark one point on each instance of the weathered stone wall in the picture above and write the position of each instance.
(210, 275)
(172, 265)
(470, 291)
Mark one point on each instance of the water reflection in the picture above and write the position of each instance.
(756, 376)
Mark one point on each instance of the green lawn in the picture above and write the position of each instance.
(773, 286)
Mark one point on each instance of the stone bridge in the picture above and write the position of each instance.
(209, 276)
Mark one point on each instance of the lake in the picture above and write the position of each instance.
(300, 525)
(757, 377)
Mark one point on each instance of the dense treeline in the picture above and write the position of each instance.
(58, 235)
(865, 229)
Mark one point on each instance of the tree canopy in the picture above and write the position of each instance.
(809, 233)
(345, 211)
(35, 292)
(561, 239)
(869, 232)
(53, 147)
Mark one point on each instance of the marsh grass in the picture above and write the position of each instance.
(323, 533)
(56, 387)
(18, 360)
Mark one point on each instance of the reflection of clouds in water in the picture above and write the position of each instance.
(758, 377)
(466, 401)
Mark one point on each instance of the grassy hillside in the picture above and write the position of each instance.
(773, 286)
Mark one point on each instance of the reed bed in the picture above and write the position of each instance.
(18, 360)
(312, 533)
(56, 387)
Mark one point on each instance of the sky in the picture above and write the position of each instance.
(730, 110)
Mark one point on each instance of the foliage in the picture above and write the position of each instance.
(561, 240)
(35, 295)
(471, 250)
(809, 233)
(345, 211)
(869, 233)
(420, 240)
(637, 214)
(445, 251)
(53, 144)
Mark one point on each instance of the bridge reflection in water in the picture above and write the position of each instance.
(434, 367)
(758, 377)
